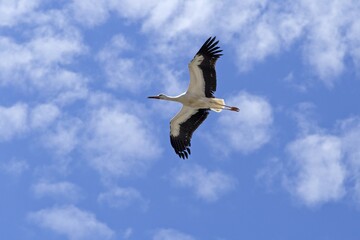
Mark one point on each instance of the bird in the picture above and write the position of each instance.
(198, 100)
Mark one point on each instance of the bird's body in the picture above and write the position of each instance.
(195, 101)
(198, 100)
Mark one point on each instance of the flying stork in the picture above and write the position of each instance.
(198, 100)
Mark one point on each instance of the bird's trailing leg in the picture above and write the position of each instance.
(218, 104)
(230, 108)
(234, 109)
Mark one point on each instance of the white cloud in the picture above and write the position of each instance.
(93, 13)
(353, 39)
(267, 29)
(169, 82)
(326, 46)
(314, 171)
(118, 197)
(320, 172)
(40, 60)
(64, 137)
(169, 79)
(122, 71)
(14, 11)
(247, 130)
(20, 119)
(171, 234)
(178, 18)
(120, 143)
(161, 13)
(350, 136)
(306, 118)
(73, 222)
(207, 185)
(272, 174)
(48, 47)
(43, 115)
(297, 84)
(67, 86)
(13, 121)
(321, 24)
(263, 28)
(128, 233)
(36, 57)
(263, 40)
(132, 9)
(14, 167)
(320, 167)
(90, 13)
(183, 17)
(64, 190)
(328, 30)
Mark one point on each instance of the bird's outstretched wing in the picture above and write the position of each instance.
(182, 126)
(202, 69)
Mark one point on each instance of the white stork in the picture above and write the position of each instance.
(198, 100)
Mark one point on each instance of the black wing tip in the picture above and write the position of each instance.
(210, 48)
(184, 154)
(181, 149)
(182, 142)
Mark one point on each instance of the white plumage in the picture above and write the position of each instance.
(198, 100)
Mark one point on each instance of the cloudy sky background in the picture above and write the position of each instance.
(85, 155)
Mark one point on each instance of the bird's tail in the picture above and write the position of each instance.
(217, 104)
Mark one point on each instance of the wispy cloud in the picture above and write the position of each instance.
(272, 175)
(122, 71)
(247, 130)
(118, 197)
(40, 60)
(119, 143)
(264, 28)
(350, 137)
(350, 134)
(64, 137)
(122, 68)
(206, 184)
(171, 234)
(128, 233)
(13, 121)
(11, 12)
(320, 171)
(72, 222)
(43, 115)
(320, 165)
(132, 10)
(90, 13)
(63, 190)
(14, 167)
(306, 118)
(36, 57)
(170, 80)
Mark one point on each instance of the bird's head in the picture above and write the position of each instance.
(160, 96)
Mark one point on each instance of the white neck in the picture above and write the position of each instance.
(171, 98)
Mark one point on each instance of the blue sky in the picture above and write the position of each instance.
(85, 155)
